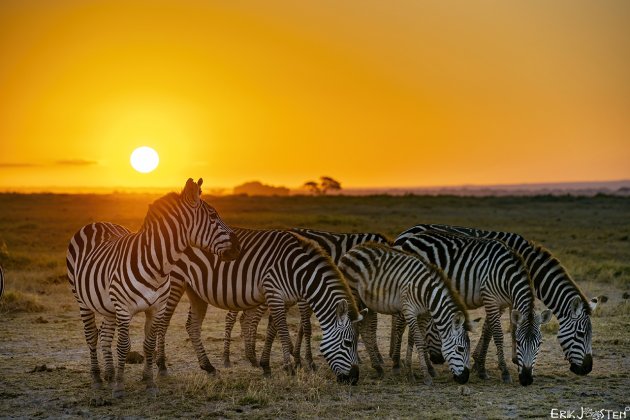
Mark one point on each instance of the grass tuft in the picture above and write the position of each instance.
(16, 301)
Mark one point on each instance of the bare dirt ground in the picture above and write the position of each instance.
(44, 362)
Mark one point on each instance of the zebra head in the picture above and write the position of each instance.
(528, 340)
(339, 345)
(575, 335)
(206, 229)
(456, 347)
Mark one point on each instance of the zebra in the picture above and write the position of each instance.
(335, 245)
(486, 272)
(117, 273)
(395, 282)
(276, 268)
(553, 286)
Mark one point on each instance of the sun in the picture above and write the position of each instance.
(144, 159)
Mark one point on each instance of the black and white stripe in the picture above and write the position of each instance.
(390, 281)
(116, 273)
(553, 286)
(335, 244)
(275, 268)
(487, 273)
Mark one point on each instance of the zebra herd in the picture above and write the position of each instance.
(426, 279)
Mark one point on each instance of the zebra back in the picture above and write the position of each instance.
(337, 244)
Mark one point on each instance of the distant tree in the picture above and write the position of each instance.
(258, 188)
(325, 184)
(329, 184)
(313, 187)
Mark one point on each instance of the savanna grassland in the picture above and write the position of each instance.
(44, 361)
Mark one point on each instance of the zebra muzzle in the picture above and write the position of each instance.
(462, 378)
(525, 376)
(351, 378)
(234, 251)
(585, 368)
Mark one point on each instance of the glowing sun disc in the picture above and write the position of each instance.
(144, 159)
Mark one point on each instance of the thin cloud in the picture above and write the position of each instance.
(18, 165)
(76, 162)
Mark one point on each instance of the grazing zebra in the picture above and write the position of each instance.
(335, 245)
(553, 286)
(394, 282)
(1, 282)
(487, 273)
(277, 268)
(116, 273)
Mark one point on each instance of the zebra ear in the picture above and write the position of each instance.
(577, 306)
(191, 192)
(516, 317)
(545, 316)
(342, 308)
(362, 314)
(458, 320)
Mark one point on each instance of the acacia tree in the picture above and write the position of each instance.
(329, 184)
(326, 184)
(312, 187)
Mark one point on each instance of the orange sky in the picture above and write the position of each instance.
(373, 93)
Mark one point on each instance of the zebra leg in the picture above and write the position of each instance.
(513, 335)
(369, 338)
(108, 326)
(306, 330)
(123, 318)
(398, 326)
(252, 319)
(91, 337)
(410, 345)
(178, 287)
(417, 328)
(494, 318)
(196, 314)
(266, 353)
(374, 327)
(481, 350)
(152, 316)
(230, 320)
(279, 315)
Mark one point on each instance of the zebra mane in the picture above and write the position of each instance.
(456, 298)
(312, 246)
(548, 256)
(152, 213)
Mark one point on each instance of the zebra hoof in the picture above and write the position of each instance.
(97, 385)
(210, 369)
(118, 393)
(396, 370)
(163, 372)
(431, 371)
(289, 369)
(428, 380)
(227, 364)
(312, 366)
(380, 373)
(507, 379)
(152, 391)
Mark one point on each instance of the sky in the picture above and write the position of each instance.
(371, 93)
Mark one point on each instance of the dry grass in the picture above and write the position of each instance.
(589, 235)
(15, 301)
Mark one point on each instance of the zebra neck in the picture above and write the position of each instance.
(439, 305)
(163, 250)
